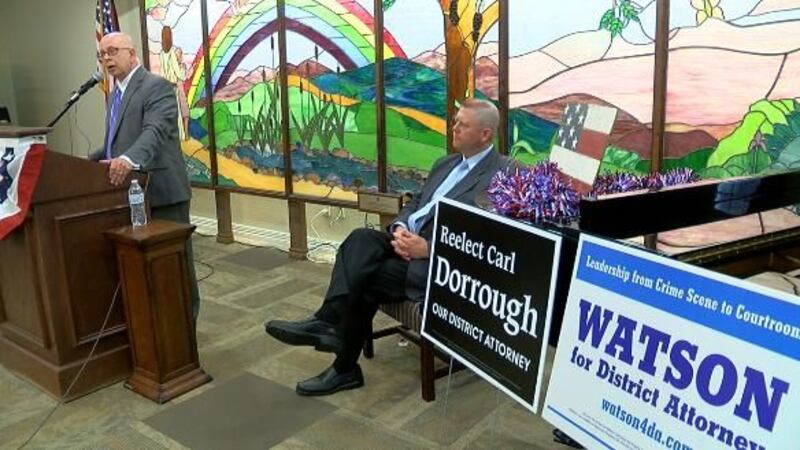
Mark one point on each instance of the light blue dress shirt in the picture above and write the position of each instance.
(457, 174)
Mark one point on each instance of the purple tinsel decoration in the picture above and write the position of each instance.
(683, 175)
(540, 193)
(653, 181)
(614, 183)
(535, 194)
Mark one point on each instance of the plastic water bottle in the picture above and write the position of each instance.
(136, 201)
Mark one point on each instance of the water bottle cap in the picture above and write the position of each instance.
(134, 181)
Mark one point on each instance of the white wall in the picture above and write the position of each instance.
(7, 97)
(52, 51)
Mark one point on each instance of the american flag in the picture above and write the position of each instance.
(105, 21)
(581, 142)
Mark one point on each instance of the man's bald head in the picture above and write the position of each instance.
(118, 54)
(118, 39)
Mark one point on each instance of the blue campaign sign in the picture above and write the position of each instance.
(654, 353)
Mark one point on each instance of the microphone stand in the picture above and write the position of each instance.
(72, 100)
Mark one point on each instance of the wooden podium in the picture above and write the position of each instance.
(152, 260)
(58, 274)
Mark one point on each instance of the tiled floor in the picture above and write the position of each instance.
(238, 296)
(239, 293)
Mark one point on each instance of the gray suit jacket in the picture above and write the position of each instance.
(476, 182)
(147, 133)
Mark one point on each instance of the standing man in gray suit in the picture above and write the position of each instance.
(142, 134)
(375, 267)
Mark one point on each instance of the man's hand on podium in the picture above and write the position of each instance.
(118, 170)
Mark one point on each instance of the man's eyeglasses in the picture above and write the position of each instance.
(112, 51)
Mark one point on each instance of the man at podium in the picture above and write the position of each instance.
(142, 134)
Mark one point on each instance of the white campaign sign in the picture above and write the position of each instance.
(655, 353)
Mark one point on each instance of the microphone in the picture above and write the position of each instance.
(96, 77)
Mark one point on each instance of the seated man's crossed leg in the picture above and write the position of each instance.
(367, 271)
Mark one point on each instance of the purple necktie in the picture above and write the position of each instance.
(116, 101)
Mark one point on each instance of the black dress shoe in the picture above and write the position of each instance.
(329, 381)
(311, 331)
(562, 438)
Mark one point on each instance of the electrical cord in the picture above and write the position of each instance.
(788, 279)
(313, 250)
(311, 222)
(69, 128)
(81, 132)
(210, 268)
(88, 358)
(332, 219)
(322, 245)
(197, 233)
(80, 371)
(368, 224)
(341, 215)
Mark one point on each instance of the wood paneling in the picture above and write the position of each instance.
(58, 278)
(152, 262)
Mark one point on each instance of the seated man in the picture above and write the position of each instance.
(373, 266)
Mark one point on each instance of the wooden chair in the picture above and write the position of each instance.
(408, 313)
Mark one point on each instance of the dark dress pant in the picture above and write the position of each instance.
(367, 272)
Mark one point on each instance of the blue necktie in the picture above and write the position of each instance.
(415, 220)
(116, 101)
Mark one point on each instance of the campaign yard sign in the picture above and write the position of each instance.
(654, 353)
(490, 294)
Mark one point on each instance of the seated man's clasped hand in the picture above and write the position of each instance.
(408, 245)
